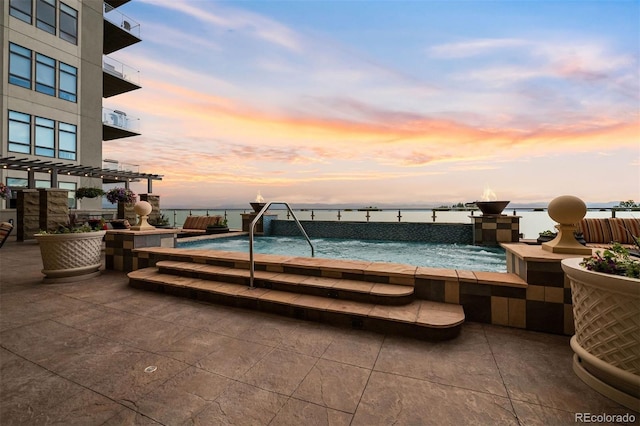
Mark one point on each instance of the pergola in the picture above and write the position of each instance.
(31, 166)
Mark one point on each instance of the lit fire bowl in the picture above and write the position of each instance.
(257, 206)
(492, 207)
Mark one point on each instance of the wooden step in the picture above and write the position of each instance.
(360, 291)
(419, 318)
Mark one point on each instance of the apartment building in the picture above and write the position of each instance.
(56, 71)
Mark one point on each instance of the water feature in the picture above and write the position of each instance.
(449, 256)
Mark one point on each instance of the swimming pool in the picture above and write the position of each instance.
(449, 256)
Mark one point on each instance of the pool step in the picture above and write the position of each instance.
(418, 318)
(344, 289)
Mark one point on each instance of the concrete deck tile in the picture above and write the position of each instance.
(404, 313)
(296, 412)
(242, 404)
(352, 285)
(439, 317)
(391, 290)
(279, 297)
(389, 269)
(76, 353)
(292, 279)
(467, 276)
(349, 307)
(436, 273)
(313, 302)
(279, 371)
(500, 278)
(333, 385)
(321, 282)
(379, 404)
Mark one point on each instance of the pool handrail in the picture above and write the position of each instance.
(251, 232)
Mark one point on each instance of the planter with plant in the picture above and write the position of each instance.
(160, 222)
(70, 253)
(605, 292)
(121, 195)
(87, 192)
(219, 227)
(545, 236)
(5, 191)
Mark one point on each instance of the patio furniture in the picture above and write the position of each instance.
(5, 230)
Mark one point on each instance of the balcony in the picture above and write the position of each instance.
(117, 124)
(120, 31)
(118, 78)
(116, 3)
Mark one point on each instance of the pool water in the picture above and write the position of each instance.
(449, 256)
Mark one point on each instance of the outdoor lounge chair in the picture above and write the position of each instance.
(5, 230)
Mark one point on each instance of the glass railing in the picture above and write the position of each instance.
(120, 166)
(120, 119)
(120, 70)
(123, 21)
(532, 220)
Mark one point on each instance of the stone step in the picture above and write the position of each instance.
(384, 273)
(419, 318)
(360, 291)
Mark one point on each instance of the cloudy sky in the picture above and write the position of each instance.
(384, 102)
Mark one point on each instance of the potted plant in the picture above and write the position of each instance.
(70, 253)
(545, 236)
(219, 227)
(121, 195)
(161, 222)
(605, 292)
(88, 192)
(5, 192)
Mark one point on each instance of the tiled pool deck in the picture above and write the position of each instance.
(76, 353)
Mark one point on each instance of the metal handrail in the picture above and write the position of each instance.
(251, 231)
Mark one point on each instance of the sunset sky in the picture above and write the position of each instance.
(384, 102)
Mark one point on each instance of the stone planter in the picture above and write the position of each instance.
(217, 229)
(607, 339)
(70, 257)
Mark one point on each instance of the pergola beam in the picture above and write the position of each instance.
(110, 176)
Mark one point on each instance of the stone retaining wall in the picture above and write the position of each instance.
(448, 233)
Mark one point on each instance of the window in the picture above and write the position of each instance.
(19, 132)
(21, 9)
(68, 24)
(43, 183)
(46, 15)
(45, 74)
(68, 82)
(66, 141)
(45, 137)
(19, 66)
(71, 187)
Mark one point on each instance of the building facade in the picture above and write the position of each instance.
(56, 71)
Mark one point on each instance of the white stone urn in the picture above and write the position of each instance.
(70, 257)
(606, 312)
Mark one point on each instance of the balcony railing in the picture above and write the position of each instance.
(120, 119)
(110, 164)
(120, 70)
(121, 20)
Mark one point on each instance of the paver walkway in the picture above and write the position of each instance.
(100, 352)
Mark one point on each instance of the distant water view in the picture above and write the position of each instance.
(531, 222)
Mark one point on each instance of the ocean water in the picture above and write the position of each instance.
(449, 256)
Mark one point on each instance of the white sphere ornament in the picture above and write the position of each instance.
(142, 209)
(567, 209)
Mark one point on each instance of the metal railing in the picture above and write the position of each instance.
(255, 220)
